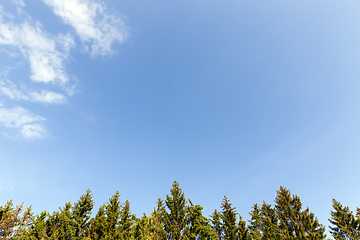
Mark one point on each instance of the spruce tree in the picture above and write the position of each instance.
(126, 221)
(198, 226)
(158, 224)
(81, 214)
(294, 223)
(39, 227)
(216, 224)
(229, 219)
(345, 226)
(106, 225)
(98, 226)
(174, 215)
(227, 224)
(264, 222)
(14, 221)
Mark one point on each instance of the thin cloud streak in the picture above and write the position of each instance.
(45, 53)
(97, 29)
(14, 93)
(27, 122)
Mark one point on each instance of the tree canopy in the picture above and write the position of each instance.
(177, 218)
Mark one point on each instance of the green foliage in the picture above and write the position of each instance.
(174, 213)
(263, 222)
(294, 223)
(14, 220)
(198, 226)
(227, 224)
(176, 219)
(346, 226)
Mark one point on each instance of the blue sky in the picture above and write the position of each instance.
(229, 98)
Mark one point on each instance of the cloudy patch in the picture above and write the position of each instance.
(22, 38)
(97, 29)
(46, 54)
(7, 88)
(47, 97)
(28, 123)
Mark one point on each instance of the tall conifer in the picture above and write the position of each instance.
(174, 215)
(345, 226)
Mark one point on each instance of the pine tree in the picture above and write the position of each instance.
(81, 214)
(126, 221)
(294, 223)
(229, 219)
(198, 226)
(174, 216)
(243, 231)
(345, 225)
(227, 224)
(14, 221)
(98, 227)
(263, 222)
(216, 224)
(158, 224)
(39, 227)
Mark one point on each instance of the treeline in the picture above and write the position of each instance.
(177, 218)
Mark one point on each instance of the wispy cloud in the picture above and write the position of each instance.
(47, 97)
(97, 28)
(27, 122)
(7, 88)
(46, 54)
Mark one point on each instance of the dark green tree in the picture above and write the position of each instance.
(174, 213)
(227, 224)
(263, 223)
(81, 214)
(294, 223)
(216, 224)
(198, 226)
(126, 221)
(157, 231)
(229, 219)
(345, 226)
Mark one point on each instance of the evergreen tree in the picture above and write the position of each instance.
(294, 223)
(175, 218)
(106, 225)
(198, 226)
(263, 222)
(98, 228)
(126, 221)
(158, 224)
(345, 225)
(229, 219)
(38, 228)
(14, 221)
(243, 231)
(216, 224)
(227, 224)
(81, 214)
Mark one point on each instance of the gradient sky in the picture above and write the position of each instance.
(230, 98)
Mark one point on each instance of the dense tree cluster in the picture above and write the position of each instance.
(177, 218)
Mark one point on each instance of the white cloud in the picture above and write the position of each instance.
(45, 53)
(26, 122)
(13, 92)
(10, 90)
(96, 28)
(47, 97)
